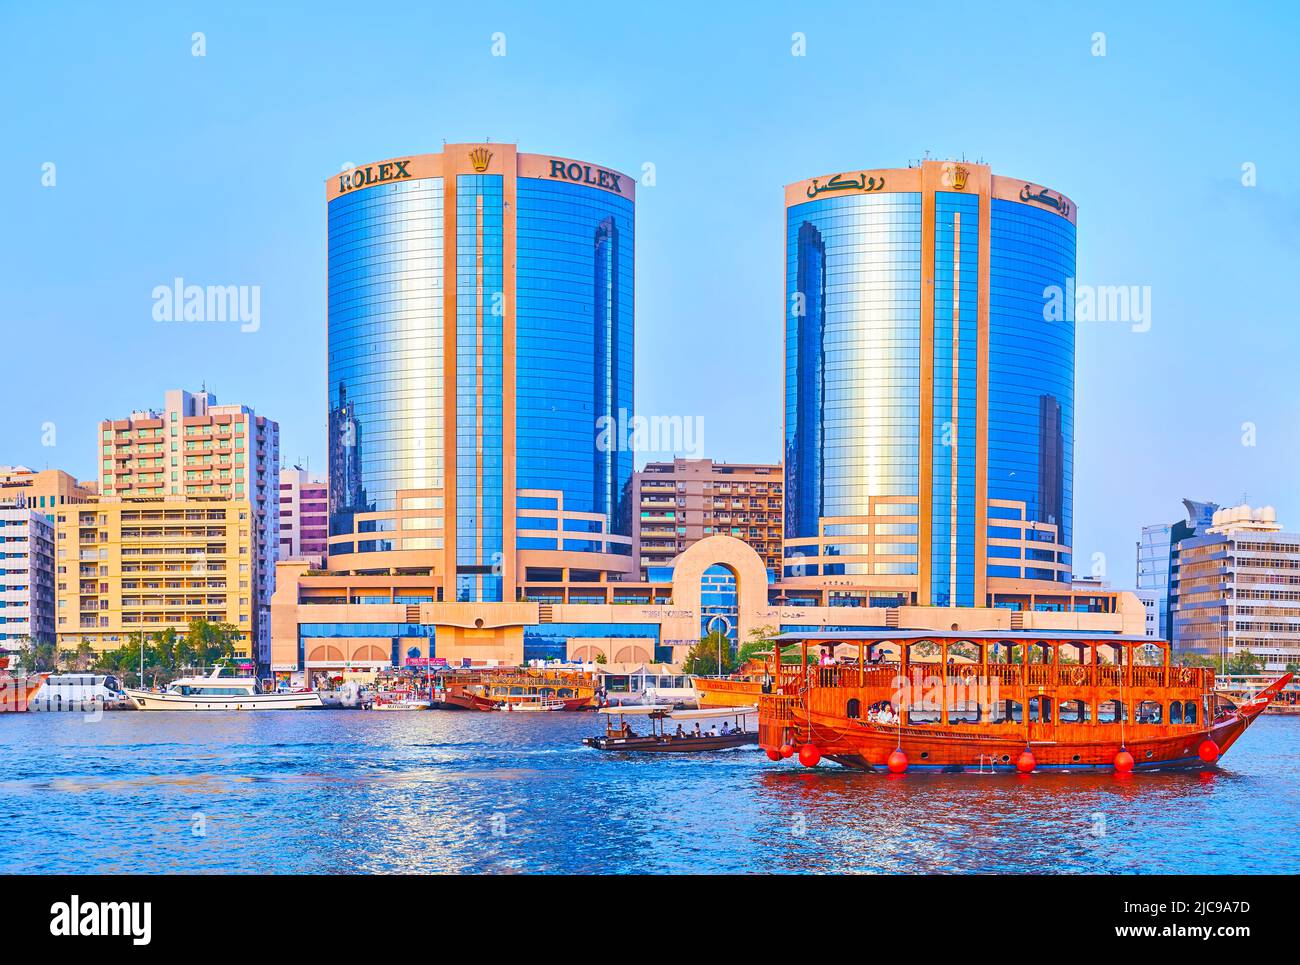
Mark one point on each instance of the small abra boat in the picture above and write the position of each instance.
(695, 731)
(16, 692)
(215, 692)
(997, 701)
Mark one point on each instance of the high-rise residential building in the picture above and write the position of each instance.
(155, 564)
(1236, 587)
(194, 449)
(304, 517)
(480, 341)
(1157, 555)
(929, 385)
(676, 504)
(43, 490)
(26, 578)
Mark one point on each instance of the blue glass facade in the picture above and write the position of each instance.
(853, 348)
(385, 348)
(956, 356)
(855, 396)
(480, 315)
(415, 397)
(1031, 374)
(574, 338)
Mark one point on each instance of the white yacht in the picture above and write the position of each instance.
(216, 692)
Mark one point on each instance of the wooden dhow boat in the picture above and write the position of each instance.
(996, 701)
(512, 689)
(16, 692)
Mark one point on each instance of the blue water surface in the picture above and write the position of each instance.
(445, 791)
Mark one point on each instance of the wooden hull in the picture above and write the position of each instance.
(670, 745)
(16, 693)
(866, 746)
(468, 700)
(726, 693)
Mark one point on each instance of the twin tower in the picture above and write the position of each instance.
(481, 306)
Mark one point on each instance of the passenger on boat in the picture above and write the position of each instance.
(697, 730)
(713, 730)
(680, 733)
(725, 731)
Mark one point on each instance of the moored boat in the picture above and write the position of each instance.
(400, 700)
(16, 692)
(215, 692)
(997, 701)
(736, 691)
(513, 690)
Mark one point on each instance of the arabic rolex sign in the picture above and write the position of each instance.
(373, 174)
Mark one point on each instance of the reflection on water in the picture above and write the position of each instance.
(332, 791)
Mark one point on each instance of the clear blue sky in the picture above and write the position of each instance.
(212, 169)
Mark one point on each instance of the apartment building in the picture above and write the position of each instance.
(676, 504)
(194, 449)
(26, 578)
(144, 566)
(304, 517)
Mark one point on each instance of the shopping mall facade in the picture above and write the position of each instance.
(481, 342)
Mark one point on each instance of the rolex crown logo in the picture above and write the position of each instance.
(479, 157)
(959, 176)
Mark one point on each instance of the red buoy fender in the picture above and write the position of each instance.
(773, 755)
(1025, 762)
(1208, 751)
(787, 750)
(896, 761)
(809, 755)
(1123, 761)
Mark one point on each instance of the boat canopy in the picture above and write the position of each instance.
(705, 713)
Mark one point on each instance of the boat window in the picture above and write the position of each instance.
(1075, 712)
(1189, 712)
(1176, 712)
(1007, 711)
(1148, 712)
(964, 712)
(854, 709)
(922, 716)
(1040, 709)
(1111, 712)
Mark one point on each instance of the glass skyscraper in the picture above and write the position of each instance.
(929, 386)
(480, 338)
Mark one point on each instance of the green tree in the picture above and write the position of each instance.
(1244, 662)
(702, 659)
(1195, 660)
(42, 656)
(759, 642)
